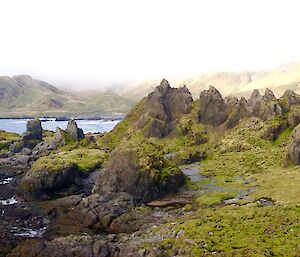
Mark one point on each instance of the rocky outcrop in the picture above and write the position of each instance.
(33, 131)
(129, 171)
(213, 109)
(75, 132)
(294, 147)
(237, 110)
(162, 108)
(30, 138)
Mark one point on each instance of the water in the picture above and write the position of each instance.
(27, 232)
(19, 125)
(5, 181)
(9, 201)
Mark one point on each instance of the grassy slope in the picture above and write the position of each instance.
(24, 96)
(240, 160)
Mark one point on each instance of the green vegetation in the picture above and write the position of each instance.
(85, 160)
(6, 138)
(240, 164)
(246, 230)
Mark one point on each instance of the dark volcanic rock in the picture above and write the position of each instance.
(213, 109)
(294, 146)
(163, 107)
(75, 132)
(237, 110)
(123, 173)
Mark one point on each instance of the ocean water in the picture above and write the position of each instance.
(19, 125)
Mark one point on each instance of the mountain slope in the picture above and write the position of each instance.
(230, 83)
(25, 96)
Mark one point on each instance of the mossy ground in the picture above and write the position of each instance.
(238, 160)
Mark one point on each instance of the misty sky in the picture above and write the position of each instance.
(96, 42)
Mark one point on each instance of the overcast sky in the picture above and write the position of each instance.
(96, 42)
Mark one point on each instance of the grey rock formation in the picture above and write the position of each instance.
(216, 111)
(162, 107)
(213, 109)
(75, 132)
(269, 95)
(33, 131)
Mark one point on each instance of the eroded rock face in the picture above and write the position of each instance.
(123, 173)
(294, 147)
(213, 109)
(162, 107)
(237, 110)
(75, 132)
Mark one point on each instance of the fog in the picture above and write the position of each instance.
(90, 44)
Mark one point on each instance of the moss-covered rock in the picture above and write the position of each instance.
(47, 175)
(140, 169)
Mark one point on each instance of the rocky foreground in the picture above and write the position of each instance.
(176, 177)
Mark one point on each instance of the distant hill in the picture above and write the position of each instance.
(230, 83)
(25, 96)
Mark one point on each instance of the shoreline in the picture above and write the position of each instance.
(48, 118)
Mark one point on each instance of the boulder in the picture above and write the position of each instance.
(47, 176)
(213, 109)
(294, 146)
(75, 132)
(145, 175)
(33, 131)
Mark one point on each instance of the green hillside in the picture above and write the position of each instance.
(25, 96)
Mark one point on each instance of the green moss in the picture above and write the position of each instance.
(6, 139)
(239, 231)
(214, 197)
(283, 138)
(85, 159)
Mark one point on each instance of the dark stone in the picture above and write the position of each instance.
(213, 109)
(162, 109)
(33, 131)
(294, 146)
(123, 173)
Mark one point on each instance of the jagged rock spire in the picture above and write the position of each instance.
(213, 109)
(164, 82)
(269, 95)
